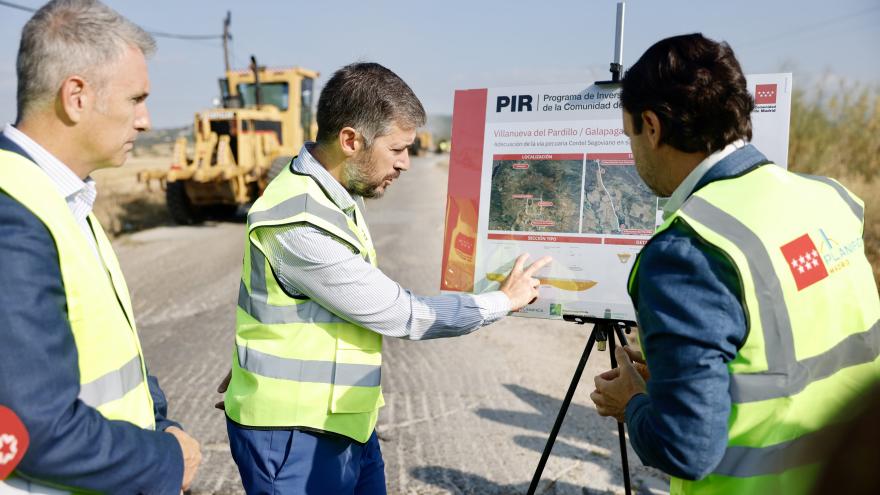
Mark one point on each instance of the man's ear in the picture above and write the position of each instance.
(652, 127)
(74, 98)
(349, 141)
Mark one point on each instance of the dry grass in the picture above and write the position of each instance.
(869, 191)
(125, 205)
(837, 133)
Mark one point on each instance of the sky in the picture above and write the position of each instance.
(441, 46)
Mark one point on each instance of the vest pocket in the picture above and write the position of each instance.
(357, 381)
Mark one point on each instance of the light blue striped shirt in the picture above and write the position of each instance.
(79, 194)
(309, 261)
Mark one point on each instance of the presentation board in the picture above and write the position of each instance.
(548, 170)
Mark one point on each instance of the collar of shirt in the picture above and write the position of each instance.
(684, 190)
(306, 163)
(79, 194)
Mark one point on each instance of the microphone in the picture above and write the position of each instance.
(14, 441)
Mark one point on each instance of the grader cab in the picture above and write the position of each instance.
(265, 118)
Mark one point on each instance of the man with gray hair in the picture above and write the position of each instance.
(71, 365)
(313, 307)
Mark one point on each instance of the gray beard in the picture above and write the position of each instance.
(356, 174)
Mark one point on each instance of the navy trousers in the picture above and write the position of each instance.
(301, 462)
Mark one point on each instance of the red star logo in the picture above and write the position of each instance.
(765, 94)
(7, 446)
(13, 441)
(804, 262)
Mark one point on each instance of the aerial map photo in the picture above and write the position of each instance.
(616, 201)
(536, 195)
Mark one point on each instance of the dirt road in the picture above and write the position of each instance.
(463, 416)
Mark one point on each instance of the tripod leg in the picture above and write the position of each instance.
(621, 431)
(562, 410)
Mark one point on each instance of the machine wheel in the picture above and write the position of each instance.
(181, 210)
(277, 166)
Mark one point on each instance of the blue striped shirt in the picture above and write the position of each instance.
(310, 262)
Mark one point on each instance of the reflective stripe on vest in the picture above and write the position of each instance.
(295, 362)
(298, 204)
(785, 375)
(110, 364)
(301, 370)
(785, 408)
(857, 209)
(305, 311)
(744, 462)
(113, 385)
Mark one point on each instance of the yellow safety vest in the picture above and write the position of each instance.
(296, 364)
(112, 374)
(812, 309)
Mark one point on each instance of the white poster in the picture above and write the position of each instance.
(551, 173)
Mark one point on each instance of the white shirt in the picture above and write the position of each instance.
(309, 261)
(684, 190)
(79, 194)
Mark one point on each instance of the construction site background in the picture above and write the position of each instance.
(835, 131)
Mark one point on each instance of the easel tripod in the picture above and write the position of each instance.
(604, 330)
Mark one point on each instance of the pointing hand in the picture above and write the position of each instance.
(520, 286)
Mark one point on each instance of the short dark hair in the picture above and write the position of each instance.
(369, 98)
(697, 89)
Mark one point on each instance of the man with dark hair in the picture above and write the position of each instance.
(305, 387)
(71, 364)
(758, 311)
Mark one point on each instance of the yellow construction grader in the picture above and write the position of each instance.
(264, 119)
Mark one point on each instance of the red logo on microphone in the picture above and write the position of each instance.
(13, 441)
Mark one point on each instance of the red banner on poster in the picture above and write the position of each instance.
(463, 195)
(545, 238)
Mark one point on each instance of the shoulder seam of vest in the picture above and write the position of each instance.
(317, 183)
(735, 176)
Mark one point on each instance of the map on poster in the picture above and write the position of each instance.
(547, 170)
